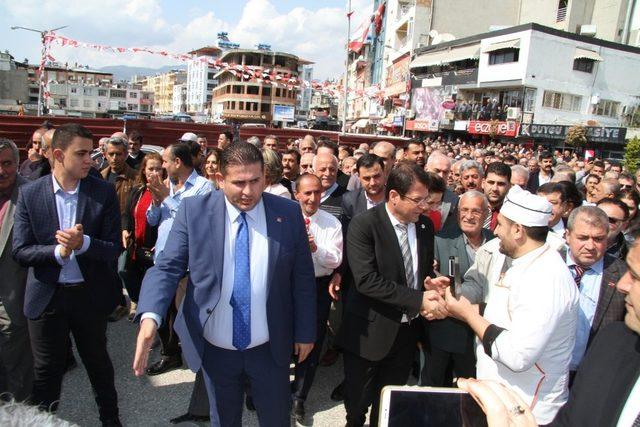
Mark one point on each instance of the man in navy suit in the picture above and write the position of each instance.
(251, 297)
(67, 229)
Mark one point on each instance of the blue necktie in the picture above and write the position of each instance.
(241, 296)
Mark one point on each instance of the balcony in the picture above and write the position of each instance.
(561, 15)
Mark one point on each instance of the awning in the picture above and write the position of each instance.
(509, 44)
(446, 56)
(587, 54)
(361, 123)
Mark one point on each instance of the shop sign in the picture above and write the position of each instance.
(460, 125)
(423, 125)
(612, 135)
(509, 128)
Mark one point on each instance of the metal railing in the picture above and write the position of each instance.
(561, 15)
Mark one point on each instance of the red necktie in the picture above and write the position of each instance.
(578, 272)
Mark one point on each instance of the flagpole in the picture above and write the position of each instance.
(346, 72)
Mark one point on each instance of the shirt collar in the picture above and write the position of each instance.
(530, 256)
(190, 182)
(57, 187)
(330, 190)
(597, 268)
(371, 202)
(234, 212)
(394, 220)
(466, 241)
(558, 228)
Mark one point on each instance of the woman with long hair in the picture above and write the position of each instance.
(273, 174)
(211, 165)
(138, 237)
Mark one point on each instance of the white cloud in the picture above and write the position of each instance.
(317, 35)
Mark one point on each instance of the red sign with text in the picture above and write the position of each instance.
(493, 128)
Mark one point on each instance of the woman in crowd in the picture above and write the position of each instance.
(211, 165)
(138, 237)
(273, 174)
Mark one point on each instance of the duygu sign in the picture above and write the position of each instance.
(493, 128)
(611, 135)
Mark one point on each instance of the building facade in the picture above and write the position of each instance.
(528, 82)
(162, 87)
(200, 79)
(240, 97)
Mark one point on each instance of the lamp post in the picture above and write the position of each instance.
(346, 72)
(42, 34)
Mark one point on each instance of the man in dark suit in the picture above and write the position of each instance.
(542, 175)
(16, 361)
(238, 320)
(390, 251)
(372, 178)
(451, 342)
(595, 273)
(67, 228)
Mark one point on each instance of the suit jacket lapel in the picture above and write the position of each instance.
(83, 194)
(52, 211)
(217, 224)
(390, 236)
(274, 230)
(7, 222)
(606, 294)
(460, 248)
(361, 202)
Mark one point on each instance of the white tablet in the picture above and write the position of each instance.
(409, 406)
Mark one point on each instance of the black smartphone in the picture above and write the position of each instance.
(453, 269)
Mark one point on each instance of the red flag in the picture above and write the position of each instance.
(377, 17)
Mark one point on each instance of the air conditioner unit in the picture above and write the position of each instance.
(513, 113)
(588, 30)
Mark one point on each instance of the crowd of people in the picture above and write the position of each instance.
(245, 257)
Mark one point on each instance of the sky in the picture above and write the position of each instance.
(314, 30)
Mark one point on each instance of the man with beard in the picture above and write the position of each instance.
(414, 152)
(495, 186)
(527, 329)
(290, 169)
(471, 174)
(544, 174)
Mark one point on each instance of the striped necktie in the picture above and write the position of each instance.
(578, 272)
(636, 423)
(406, 255)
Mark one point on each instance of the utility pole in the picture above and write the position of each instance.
(346, 72)
(42, 33)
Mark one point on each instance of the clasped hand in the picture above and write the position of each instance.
(71, 239)
(433, 303)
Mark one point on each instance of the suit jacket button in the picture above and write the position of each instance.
(209, 311)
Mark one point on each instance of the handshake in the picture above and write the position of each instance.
(434, 305)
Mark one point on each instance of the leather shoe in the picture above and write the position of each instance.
(190, 417)
(329, 358)
(297, 410)
(114, 422)
(248, 401)
(337, 395)
(165, 364)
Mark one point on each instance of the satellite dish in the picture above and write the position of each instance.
(437, 38)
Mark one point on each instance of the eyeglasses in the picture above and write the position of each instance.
(626, 186)
(418, 202)
(614, 221)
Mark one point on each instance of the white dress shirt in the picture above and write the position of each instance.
(413, 246)
(67, 205)
(589, 294)
(327, 234)
(558, 229)
(536, 302)
(219, 328)
(278, 189)
(631, 407)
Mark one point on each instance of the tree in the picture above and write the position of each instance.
(632, 155)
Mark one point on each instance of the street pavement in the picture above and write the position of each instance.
(152, 401)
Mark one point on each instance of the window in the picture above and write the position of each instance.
(606, 108)
(118, 93)
(241, 105)
(102, 92)
(74, 90)
(74, 102)
(277, 91)
(253, 90)
(529, 99)
(266, 91)
(62, 102)
(131, 107)
(561, 101)
(87, 103)
(265, 108)
(237, 89)
(87, 91)
(583, 64)
(133, 94)
(503, 56)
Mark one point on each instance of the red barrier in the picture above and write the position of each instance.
(163, 133)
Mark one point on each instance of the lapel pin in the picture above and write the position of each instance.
(422, 226)
(611, 285)
(279, 219)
